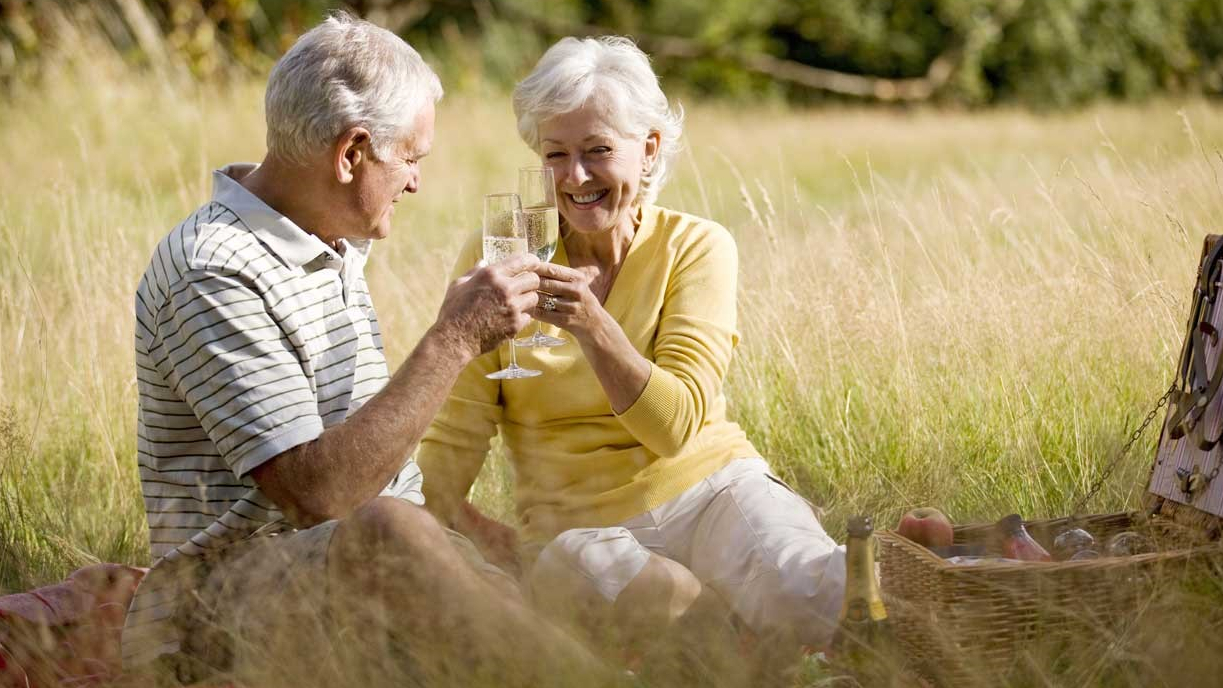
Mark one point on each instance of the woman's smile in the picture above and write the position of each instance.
(588, 199)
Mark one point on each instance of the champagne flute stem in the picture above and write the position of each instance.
(513, 354)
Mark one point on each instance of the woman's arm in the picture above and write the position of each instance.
(661, 402)
(623, 373)
(456, 443)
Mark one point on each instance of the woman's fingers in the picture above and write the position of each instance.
(554, 309)
(569, 289)
(557, 272)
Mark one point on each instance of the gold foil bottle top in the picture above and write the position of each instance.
(860, 526)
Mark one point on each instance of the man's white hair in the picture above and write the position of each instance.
(613, 73)
(346, 73)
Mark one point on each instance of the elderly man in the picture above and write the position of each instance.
(274, 448)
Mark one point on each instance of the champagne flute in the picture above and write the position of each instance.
(538, 192)
(505, 236)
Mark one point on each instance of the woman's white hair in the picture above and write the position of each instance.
(614, 73)
(346, 73)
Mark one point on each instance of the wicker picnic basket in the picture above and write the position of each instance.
(976, 624)
(973, 625)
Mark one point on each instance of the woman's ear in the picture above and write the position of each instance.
(352, 149)
(653, 141)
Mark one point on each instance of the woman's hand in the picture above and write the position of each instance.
(566, 301)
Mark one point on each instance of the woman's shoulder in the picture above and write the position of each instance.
(686, 229)
(690, 237)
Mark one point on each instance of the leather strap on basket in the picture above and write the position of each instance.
(1195, 387)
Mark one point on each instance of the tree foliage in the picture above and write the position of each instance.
(1045, 53)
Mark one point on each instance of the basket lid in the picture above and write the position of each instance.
(1187, 474)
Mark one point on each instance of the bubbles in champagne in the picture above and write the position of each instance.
(501, 223)
(543, 228)
(497, 249)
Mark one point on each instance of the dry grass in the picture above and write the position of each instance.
(963, 310)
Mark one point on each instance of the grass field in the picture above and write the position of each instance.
(967, 310)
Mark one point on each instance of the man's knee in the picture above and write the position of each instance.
(386, 527)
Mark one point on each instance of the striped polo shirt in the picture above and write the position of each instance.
(252, 336)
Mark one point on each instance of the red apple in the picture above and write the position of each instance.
(926, 526)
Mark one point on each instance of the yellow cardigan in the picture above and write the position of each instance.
(576, 463)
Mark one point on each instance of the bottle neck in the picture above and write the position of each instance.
(863, 603)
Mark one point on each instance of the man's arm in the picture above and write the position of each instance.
(350, 463)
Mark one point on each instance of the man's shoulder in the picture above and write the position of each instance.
(211, 239)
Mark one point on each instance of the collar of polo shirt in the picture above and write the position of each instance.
(294, 245)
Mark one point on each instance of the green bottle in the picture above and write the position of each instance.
(863, 645)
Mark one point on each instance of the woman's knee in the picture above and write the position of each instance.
(587, 565)
(663, 588)
(803, 595)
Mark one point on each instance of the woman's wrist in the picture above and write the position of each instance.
(622, 371)
(598, 334)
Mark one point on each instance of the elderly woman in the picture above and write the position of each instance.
(632, 486)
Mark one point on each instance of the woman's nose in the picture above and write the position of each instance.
(578, 174)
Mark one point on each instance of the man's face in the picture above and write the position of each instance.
(379, 184)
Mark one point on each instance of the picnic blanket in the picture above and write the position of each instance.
(66, 634)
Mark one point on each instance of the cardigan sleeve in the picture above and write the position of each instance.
(457, 441)
(693, 345)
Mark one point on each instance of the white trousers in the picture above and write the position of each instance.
(741, 532)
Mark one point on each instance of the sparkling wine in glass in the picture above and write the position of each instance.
(538, 192)
(505, 236)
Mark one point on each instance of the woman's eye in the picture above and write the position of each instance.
(600, 150)
(553, 155)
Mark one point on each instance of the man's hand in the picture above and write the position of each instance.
(490, 303)
(495, 540)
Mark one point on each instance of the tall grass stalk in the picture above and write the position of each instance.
(967, 310)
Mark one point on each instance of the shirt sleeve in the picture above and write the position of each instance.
(693, 346)
(406, 484)
(225, 355)
(455, 445)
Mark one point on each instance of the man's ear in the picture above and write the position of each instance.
(352, 148)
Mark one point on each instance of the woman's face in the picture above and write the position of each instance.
(598, 171)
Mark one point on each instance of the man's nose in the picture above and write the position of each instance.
(413, 182)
